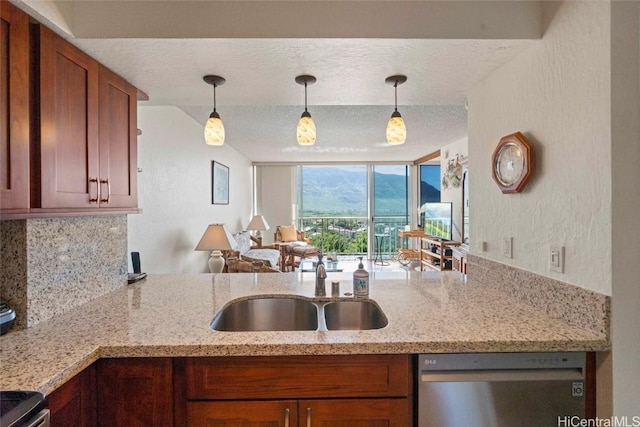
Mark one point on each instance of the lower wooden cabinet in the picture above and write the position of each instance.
(74, 403)
(275, 391)
(135, 392)
(294, 391)
(301, 413)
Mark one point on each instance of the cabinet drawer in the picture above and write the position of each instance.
(298, 377)
(252, 413)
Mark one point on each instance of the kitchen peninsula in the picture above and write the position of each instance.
(169, 316)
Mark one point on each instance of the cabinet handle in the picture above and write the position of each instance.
(106, 181)
(286, 417)
(92, 200)
(308, 417)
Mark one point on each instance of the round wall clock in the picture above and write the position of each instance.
(513, 163)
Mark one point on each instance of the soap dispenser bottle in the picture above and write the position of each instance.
(360, 281)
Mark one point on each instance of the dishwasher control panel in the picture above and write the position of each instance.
(484, 361)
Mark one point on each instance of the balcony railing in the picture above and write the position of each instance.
(348, 235)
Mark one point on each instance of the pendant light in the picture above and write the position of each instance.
(306, 131)
(214, 129)
(396, 130)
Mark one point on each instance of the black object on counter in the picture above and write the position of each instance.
(17, 408)
(7, 317)
(137, 269)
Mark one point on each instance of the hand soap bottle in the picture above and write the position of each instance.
(360, 281)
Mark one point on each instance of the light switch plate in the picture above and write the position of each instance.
(556, 258)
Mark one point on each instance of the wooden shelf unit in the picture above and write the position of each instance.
(408, 250)
(438, 260)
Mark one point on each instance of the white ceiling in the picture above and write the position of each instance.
(261, 103)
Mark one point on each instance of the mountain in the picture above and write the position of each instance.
(342, 191)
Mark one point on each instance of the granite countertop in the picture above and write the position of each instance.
(169, 315)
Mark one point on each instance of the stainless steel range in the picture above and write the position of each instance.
(20, 408)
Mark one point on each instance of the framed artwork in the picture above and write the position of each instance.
(219, 184)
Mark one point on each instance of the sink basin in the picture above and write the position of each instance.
(354, 315)
(267, 314)
(285, 313)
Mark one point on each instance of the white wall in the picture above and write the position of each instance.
(175, 191)
(276, 196)
(576, 96)
(558, 94)
(453, 194)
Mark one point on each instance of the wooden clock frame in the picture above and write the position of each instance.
(529, 163)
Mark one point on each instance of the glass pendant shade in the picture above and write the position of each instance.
(214, 130)
(306, 131)
(396, 130)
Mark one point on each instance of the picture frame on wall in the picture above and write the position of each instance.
(219, 183)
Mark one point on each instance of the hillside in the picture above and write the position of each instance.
(342, 191)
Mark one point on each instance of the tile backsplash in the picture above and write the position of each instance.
(50, 265)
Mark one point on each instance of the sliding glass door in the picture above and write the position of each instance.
(353, 210)
(390, 208)
(332, 208)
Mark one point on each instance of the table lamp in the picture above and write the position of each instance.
(216, 238)
(258, 223)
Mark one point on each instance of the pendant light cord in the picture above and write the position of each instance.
(305, 97)
(214, 97)
(395, 85)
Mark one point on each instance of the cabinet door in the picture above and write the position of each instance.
(270, 413)
(118, 141)
(74, 403)
(14, 108)
(68, 124)
(355, 413)
(134, 392)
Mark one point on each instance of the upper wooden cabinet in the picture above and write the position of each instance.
(88, 146)
(68, 140)
(69, 168)
(14, 108)
(118, 144)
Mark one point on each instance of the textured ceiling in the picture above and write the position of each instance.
(261, 103)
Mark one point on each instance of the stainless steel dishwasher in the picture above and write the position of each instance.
(500, 389)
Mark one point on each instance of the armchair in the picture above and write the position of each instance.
(294, 246)
(267, 255)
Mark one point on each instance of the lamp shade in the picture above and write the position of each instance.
(306, 131)
(216, 237)
(396, 130)
(258, 223)
(214, 130)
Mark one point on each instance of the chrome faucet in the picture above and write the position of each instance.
(321, 275)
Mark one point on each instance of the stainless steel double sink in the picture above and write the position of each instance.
(294, 313)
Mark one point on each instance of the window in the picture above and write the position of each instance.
(430, 186)
(338, 210)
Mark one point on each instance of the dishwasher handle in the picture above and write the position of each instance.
(502, 375)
